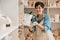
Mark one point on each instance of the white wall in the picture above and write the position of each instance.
(10, 8)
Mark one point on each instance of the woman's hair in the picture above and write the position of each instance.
(39, 3)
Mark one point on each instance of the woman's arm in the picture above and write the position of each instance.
(41, 27)
(46, 24)
(32, 28)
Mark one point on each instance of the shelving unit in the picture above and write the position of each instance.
(50, 10)
(47, 9)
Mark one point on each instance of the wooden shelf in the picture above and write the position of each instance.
(33, 7)
(53, 7)
(55, 22)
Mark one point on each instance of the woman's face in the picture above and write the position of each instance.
(39, 9)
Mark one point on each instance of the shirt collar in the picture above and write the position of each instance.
(41, 18)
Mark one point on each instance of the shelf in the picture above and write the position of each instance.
(53, 7)
(7, 31)
(33, 7)
(28, 7)
(55, 22)
(44, 7)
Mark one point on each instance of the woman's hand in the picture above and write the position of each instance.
(41, 27)
(30, 26)
(35, 24)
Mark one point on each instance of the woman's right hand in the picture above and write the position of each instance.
(30, 26)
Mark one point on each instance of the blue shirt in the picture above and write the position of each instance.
(46, 22)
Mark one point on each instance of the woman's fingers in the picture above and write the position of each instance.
(35, 24)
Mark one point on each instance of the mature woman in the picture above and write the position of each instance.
(41, 24)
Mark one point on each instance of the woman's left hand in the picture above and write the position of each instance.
(38, 25)
(35, 23)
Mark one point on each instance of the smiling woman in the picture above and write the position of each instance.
(44, 30)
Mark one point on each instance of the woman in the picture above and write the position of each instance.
(41, 24)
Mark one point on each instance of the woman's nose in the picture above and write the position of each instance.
(38, 9)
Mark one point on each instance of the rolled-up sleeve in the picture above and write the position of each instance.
(47, 23)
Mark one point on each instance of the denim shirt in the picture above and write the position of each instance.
(46, 22)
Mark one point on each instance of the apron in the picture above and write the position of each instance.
(40, 35)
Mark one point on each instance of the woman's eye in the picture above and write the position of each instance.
(36, 8)
(39, 8)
